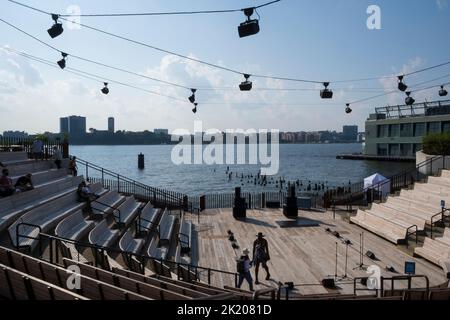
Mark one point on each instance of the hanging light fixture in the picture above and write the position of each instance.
(246, 85)
(105, 89)
(401, 86)
(194, 110)
(326, 93)
(249, 27)
(443, 92)
(62, 62)
(348, 110)
(57, 28)
(409, 100)
(192, 97)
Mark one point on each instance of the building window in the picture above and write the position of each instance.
(406, 130)
(382, 149)
(419, 129)
(394, 150)
(383, 131)
(446, 126)
(434, 127)
(406, 149)
(394, 130)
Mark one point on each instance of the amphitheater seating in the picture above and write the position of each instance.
(46, 217)
(434, 251)
(149, 216)
(382, 227)
(58, 276)
(166, 226)
(152, 289)
(74, 227)
(17, 285)
(185, 236)
(102, 235)
(130, 244)
(70, 251)
(129, 209)
(32, 167)
(12, 158)
(105, 204)
(41, 177)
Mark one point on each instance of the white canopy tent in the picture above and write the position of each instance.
(378, 183)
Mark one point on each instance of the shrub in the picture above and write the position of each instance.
(437, 144)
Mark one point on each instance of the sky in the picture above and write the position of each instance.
(323, 40)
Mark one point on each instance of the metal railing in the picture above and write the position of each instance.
(115, 181)
(409, 233)
(440, 214)
(195, 272)
(365, 196)
(114, 209)
(10, 144)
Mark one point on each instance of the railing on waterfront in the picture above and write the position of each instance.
(356, 194)
(115, 181)
(10, 144)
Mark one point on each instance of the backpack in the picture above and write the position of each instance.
(240, 265)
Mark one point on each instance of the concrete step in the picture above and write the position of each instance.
(406, 217)
(394, 216)
(12, 157)
(409, 208)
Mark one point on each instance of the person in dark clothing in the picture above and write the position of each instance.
(73, 166)
(24, 183)
(85, 194)
(244, 265)
(261, 255)
(6, 184)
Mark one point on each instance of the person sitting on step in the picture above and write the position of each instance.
(24, 183)
(6, 184)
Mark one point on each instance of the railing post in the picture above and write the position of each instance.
(209, 276)
(118, 183)
(103, 177)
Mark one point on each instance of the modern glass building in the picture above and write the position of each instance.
(397, 131)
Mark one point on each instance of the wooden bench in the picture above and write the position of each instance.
(149, 215)
(102, 235)
(58, 276)
(16, 285)
(129, 209)
(433, 251)
(105, 204)
(150, 290)
(130, 244)
(166, 226)
(46, 217)
(74, 227)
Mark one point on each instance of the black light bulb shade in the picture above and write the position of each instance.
(401, 86)
(248, 28)
(443, 92)
(105, 89)
(56, 30)
(192, 98)
(246, 86)
(194, 110)
(326, 94)
(409, 101)
(348, 109)
(62, 63)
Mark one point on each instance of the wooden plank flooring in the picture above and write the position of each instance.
(303, 255)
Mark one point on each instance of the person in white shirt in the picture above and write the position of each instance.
(57, 156)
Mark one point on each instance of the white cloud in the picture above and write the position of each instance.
(442, 4)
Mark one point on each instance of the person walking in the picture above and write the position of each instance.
(38, 149)
(243, 268)
(73, 166)
(261, 255)
(57, 156)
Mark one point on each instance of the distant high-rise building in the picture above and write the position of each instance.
(161, 131)
(111, 124)
(15, 134)
(64, 125)
(77, 125)
(350, 133)
(73, 125)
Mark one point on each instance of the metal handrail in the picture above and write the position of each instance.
(108, 206)
(442, 215)
(158, 228)
(411, 233)
(139, 257)
(403, 278)
(262, 292)
(355, 288)
(392, 178)
(18, 235)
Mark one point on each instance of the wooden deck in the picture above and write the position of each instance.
(302, 254)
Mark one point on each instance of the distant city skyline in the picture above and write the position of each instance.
(298, 39)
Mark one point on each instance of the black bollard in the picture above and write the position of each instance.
(141, 161)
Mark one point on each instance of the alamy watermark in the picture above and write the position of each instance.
(374, 19)
(262, 146)
(374, 279)
(73, 282)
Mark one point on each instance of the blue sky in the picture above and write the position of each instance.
(324, 40)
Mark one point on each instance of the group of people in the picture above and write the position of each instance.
(7, 188)
(260, 256)
(25, 183)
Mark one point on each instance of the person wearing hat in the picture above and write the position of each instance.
(261, 255)
(243, 265)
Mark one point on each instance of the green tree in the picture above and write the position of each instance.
(437, 143)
